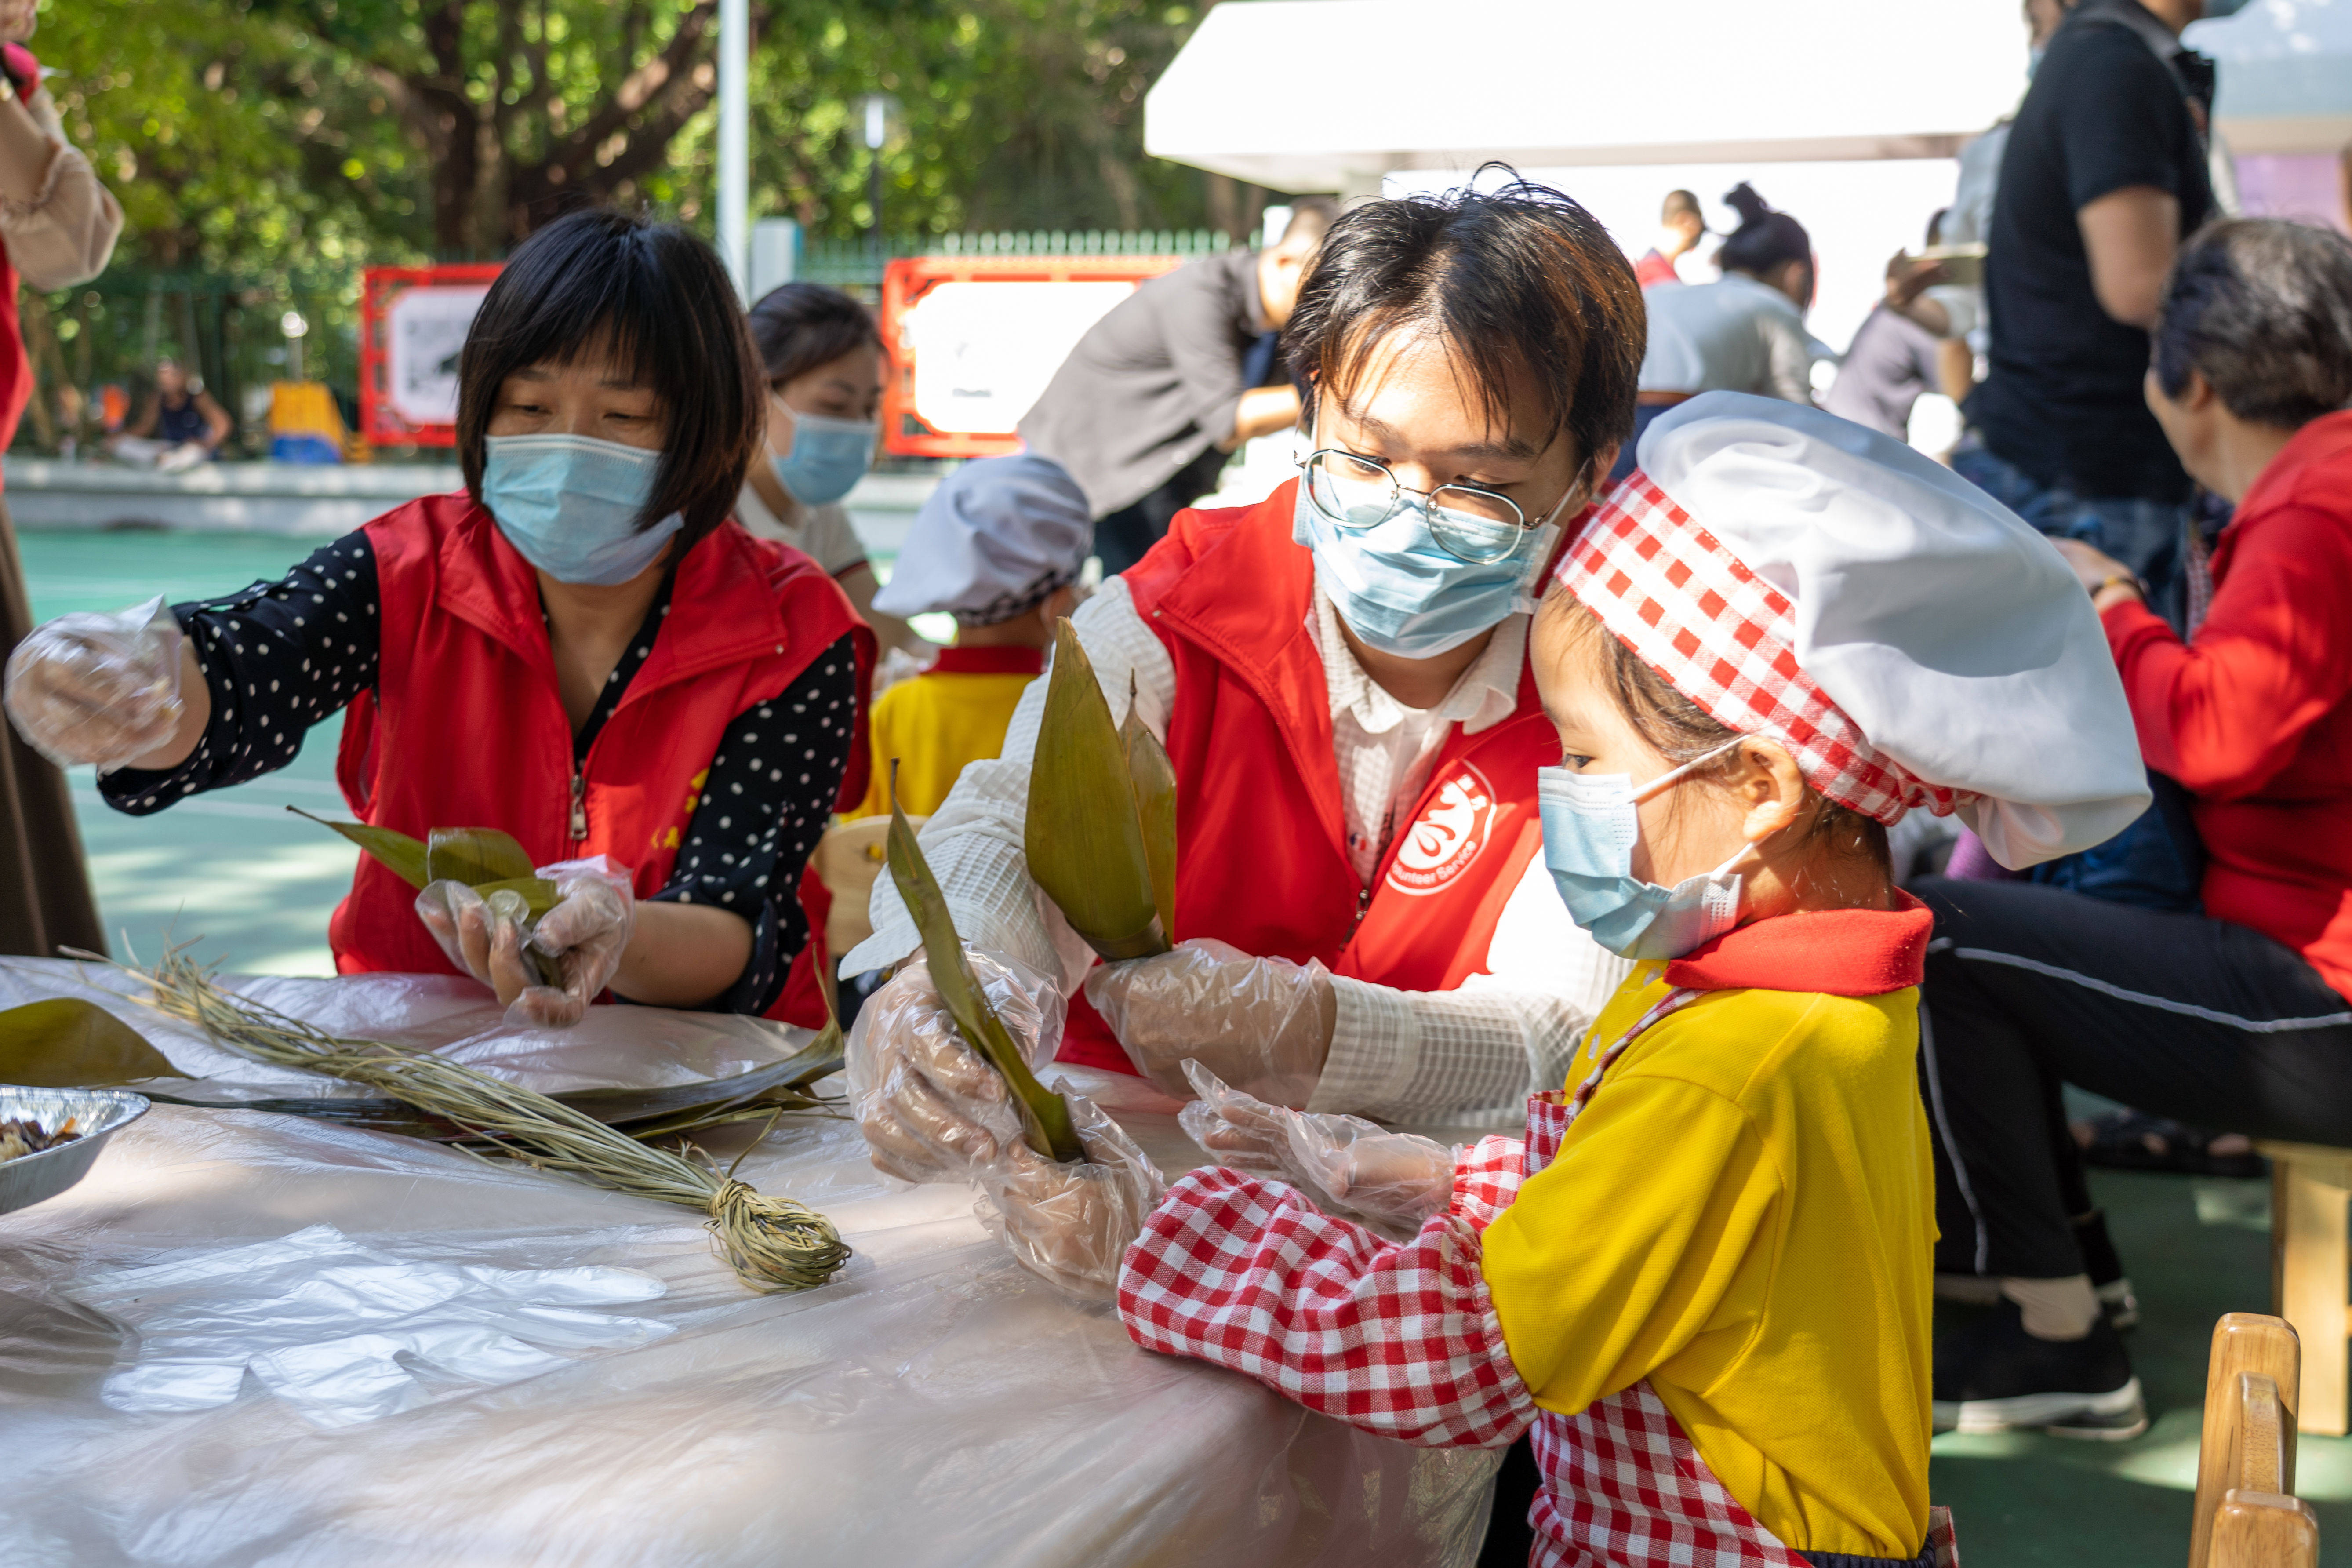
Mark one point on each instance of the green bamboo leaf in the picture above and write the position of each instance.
(67, 1042)
(1083, 838)
(1044, 1115)
(396, 851)
(474, 856)
(1154, 778)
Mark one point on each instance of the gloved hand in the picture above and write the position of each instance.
(583, 937)
(1070, 1225)
(94, 687)
(1263, 1025)
(1344, 1164)
(933, 1109)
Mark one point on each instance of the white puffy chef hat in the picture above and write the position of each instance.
(993, 541)
(1910, 640)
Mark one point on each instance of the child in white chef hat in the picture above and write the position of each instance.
(1704, 1277)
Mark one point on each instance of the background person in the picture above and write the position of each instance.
(1743, 332)
(510, 659)
(57, 228)
(179, 425)
(2240, 1016)
(2103, 172)
(1157, 395)
(999, 546)
(822, 358)
(1680, 228)
(1909, 345)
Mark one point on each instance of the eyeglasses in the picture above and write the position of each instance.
(1474, 525)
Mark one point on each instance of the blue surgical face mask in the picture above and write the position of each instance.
(1589, 828)
(828, 457)
(1404, 592)
(570, 505)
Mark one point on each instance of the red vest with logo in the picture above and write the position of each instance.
(1262, 839)
(465, 729)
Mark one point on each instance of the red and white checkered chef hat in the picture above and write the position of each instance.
(1909, 641)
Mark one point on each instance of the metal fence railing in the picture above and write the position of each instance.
(857, 263)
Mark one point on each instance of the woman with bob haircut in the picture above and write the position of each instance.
(508, 657)
(1341, 677)
(822, 358)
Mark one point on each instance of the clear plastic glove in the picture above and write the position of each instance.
(1071, 1224)
(95, 688)
(324, 1323)
(1344, 1164)
(932, 1107)
(1263, 1025)
(582, 938)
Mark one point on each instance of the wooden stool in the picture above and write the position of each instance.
(848, 859)
(2311, 1271)
(2247, 1515)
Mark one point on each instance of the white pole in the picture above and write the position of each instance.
(735, 139)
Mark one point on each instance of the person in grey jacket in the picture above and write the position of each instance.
(1160, 391)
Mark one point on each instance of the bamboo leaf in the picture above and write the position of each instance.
(1043, 1114)
(397, 852)
(474, 856)
(67, 1042)
(1083, 835)
(1154, 777)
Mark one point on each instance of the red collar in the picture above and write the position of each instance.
(988, 661)
(1844, 952)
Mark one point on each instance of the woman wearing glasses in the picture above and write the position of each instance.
(1341, 677)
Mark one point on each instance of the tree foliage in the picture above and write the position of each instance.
(253, 134)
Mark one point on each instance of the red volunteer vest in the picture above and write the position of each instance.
(465, 727)
(1262, 839)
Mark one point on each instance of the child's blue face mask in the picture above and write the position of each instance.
(570, 505)
(828, 457)
(1589, 828)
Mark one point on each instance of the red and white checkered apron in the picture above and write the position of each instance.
(1403, 1340)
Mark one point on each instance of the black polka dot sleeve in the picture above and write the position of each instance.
(771, 792)
(279, 658)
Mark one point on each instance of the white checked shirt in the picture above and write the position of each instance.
(1467, 1055)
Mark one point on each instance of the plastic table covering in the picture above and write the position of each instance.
(934, 1404)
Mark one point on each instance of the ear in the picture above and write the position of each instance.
(2198, 396)
(1772, 789)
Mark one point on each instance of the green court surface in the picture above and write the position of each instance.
(256, 885)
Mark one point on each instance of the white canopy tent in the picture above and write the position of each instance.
(1332, 95)
(1847, 114)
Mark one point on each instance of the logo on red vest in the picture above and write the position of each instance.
(1447, 839)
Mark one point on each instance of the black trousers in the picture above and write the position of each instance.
(1123, 536)
(2177, 1015)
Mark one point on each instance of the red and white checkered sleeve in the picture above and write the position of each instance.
(1397, 1339)
(1486, 1177)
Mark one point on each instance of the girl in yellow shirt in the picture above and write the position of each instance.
(1704, 1277)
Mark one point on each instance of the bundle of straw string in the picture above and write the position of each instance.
(772, 1244)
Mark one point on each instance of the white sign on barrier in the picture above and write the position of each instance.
(985, 350)
(425, 330)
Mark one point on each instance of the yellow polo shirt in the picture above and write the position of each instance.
(1744, 1215)
(955, 712)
